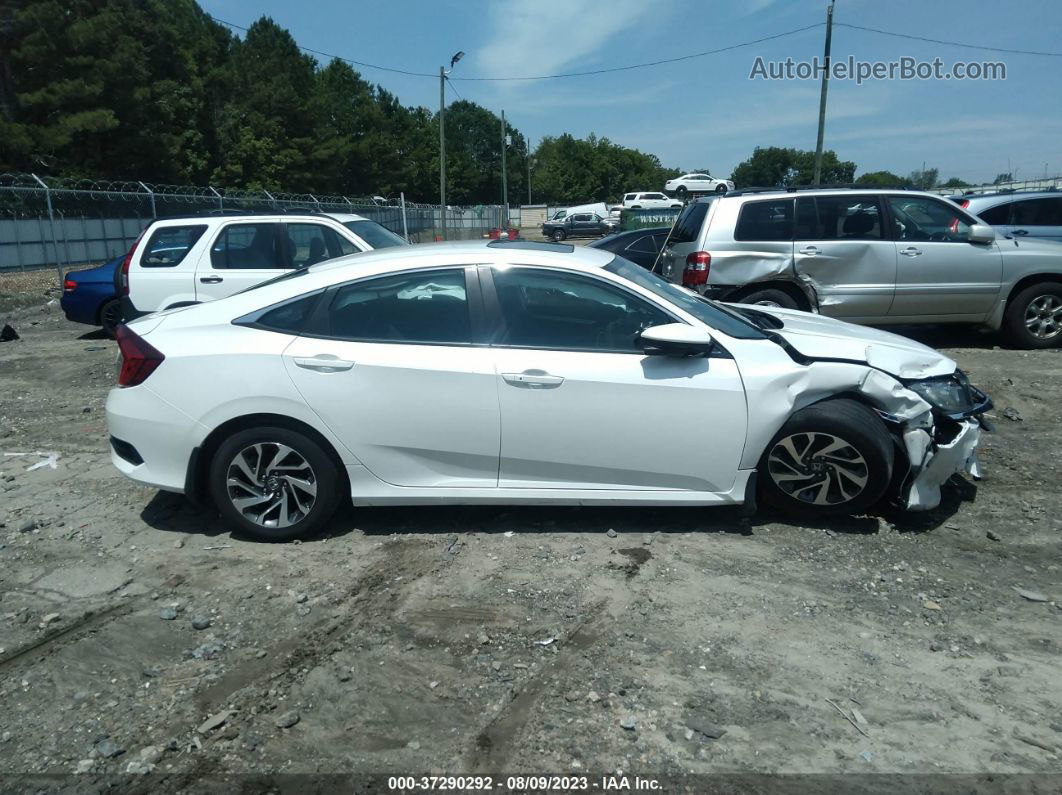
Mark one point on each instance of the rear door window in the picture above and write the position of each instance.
(169, 245)
(1037, 212)
(645, 244)
(247, 247)
(765, 220)
(843, 217)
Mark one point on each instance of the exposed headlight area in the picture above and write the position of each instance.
(952, 396)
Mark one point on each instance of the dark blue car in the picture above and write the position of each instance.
(89, 297)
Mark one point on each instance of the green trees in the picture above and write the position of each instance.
(775, 165)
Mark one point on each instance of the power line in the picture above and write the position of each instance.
(541, 77)
(948, 43)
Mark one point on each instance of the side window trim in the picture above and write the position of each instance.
(496, 319)
(318, 326)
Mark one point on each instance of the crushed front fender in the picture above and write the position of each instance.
(933, 463)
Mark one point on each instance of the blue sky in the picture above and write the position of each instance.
(706, 112)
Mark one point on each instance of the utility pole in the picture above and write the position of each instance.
(505, 176)
(526, 146)
(442, 141)
(822, 96)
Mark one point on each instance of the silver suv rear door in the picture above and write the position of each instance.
(844, 251)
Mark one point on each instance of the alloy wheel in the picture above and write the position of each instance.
(817, 468)
(1043, 317)
(271, 484)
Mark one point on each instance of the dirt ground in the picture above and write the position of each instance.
(142, 646)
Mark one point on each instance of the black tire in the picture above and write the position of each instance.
(558, 235)
(720, 188)
(111, 316)
(321, 472)
(793, 484)
(1041, 304)
(682, 190)
(769, 296)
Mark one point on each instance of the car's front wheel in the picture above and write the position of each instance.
(720, 188)
(682, 190)
(274, 484)
(1034, 316)
(833, 457)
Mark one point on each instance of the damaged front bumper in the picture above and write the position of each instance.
(934, 462)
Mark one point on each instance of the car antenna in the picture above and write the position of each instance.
(666, 239)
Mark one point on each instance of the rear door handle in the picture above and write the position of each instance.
(808, 250)
(534, 380)
(211, 279)
(911, 251)
(1020, 232)
(322, 364)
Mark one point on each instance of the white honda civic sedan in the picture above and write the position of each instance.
(525, 373)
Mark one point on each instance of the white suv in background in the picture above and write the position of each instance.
(697, 183)
(648, 201)
(182, 261)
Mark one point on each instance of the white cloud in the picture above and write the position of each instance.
(542, 37)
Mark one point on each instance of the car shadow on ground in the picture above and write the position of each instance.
(172, 513)
(95, 334)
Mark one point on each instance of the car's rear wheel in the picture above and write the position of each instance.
(769, 297)
(558, 235)
(1034, 316)
(833, 457)
(111, 316)
(274, 483)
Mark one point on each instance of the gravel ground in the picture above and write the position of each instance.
(144, 647)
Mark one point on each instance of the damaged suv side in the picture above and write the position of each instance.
(868, 256)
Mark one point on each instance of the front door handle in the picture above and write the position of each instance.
(911, 251)
(534, 380)
(211, 279)
(323, 364)
(1022, 232)
(811, 250)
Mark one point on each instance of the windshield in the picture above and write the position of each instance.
(708, 312)
(375, 235)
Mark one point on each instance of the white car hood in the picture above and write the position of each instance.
(819, 337)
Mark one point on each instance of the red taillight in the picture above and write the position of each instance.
(139, 360)
(68, 285)
(697, 265)
(124, 282)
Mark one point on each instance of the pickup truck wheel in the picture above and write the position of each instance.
(768, 297)
(1034, 317)
(558, 235)
(831, 458)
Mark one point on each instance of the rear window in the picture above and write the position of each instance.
(168, 245)
(765, 220)
(375, 235)
(688, 226)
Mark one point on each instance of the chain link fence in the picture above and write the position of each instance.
(64, 223)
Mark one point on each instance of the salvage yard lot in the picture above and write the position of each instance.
(493, 640)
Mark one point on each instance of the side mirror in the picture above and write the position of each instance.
(981, 233)
(676, 339)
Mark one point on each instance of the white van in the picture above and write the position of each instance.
(182, 261)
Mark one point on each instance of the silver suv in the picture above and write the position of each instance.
(1019, 214)
(868, 256)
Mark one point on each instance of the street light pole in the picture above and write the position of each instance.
(505, 176)
(822, 95)
(442, 151)
(442, 140)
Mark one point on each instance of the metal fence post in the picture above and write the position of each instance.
(18, 242)
(272, 201)
(151, 193)
(221, 201)
(51, 222)
(405, 229)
